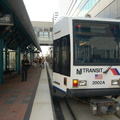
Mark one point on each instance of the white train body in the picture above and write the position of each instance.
(86, 57)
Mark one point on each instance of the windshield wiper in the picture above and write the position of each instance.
(107, 69)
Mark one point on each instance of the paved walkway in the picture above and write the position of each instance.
(42, 106)
(16, 97)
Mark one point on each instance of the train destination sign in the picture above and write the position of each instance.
(6, 20)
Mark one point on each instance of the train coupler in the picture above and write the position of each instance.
(104, 106)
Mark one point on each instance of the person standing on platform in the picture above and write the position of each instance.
(25, 64)
(42, 62)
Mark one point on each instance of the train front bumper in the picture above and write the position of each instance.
(93, 92)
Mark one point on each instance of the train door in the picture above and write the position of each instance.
(62, 56)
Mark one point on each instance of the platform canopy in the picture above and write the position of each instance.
(15, 26)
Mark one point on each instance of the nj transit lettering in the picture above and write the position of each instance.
(88, 70)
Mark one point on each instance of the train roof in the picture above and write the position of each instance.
(62, 26)
(87, 18)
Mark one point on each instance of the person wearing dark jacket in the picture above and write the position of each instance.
(25, 64)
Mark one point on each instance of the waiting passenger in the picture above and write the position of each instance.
(25, 64)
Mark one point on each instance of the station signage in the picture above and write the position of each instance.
(6, 20)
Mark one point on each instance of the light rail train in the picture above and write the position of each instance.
(86, 61)
(86, 57)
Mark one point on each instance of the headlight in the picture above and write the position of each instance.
(83, 83)
(115, 82)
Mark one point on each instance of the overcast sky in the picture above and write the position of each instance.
(41, 10)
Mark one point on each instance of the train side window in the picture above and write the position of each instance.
(62, 55)
(65, 52)
(56, 63)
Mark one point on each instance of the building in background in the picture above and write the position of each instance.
(43, 31)
(91, 8)
(55, 16)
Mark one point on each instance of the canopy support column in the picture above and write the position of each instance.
(1, 60)
(6, 58)
(18, 60)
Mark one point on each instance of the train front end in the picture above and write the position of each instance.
(95, 58)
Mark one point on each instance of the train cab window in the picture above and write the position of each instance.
(96, 42)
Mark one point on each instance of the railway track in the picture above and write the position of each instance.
(73, 109)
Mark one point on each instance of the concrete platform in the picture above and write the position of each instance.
(42, 107)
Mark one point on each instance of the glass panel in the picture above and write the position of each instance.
(96, 42)
(51, 29)
(41, 34)
(65, 45)
(45, 34)
(50, 34)
(89, 5)
(56, 56)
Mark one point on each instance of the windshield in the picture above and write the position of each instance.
(96, 42)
